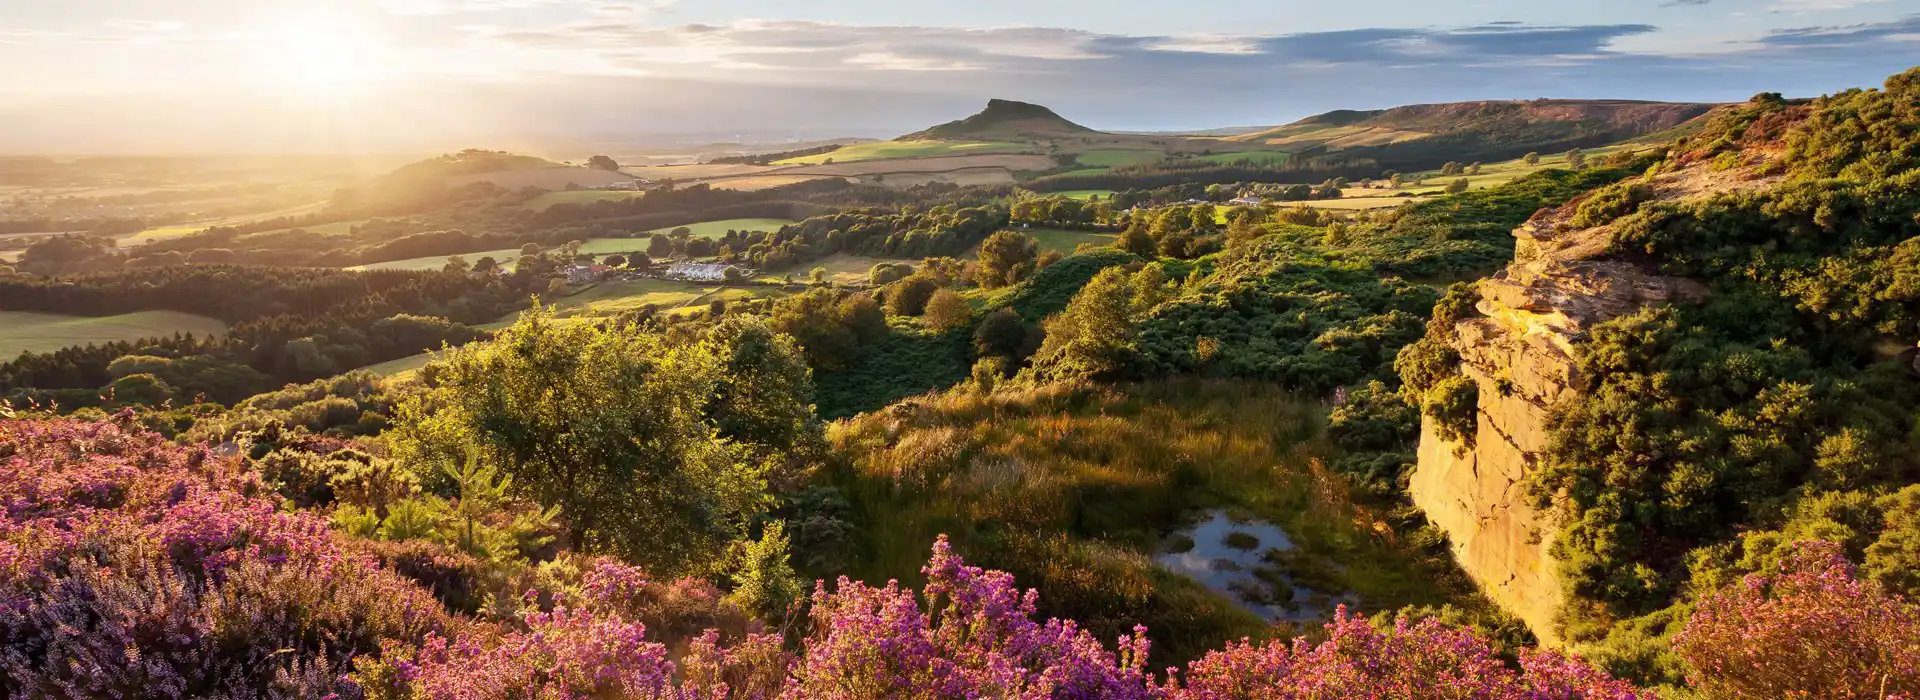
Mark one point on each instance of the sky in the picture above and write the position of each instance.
(167, 76)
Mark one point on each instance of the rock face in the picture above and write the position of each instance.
(1522, 352)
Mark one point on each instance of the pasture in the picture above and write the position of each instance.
(543, 202)
(1084, 195)
(507, 257)
(1253, 157)
(1065, 241)
(1116, 157)
(842, 268)
(22, 331)
(884, 150)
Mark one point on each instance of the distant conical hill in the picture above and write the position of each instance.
(1003, 120)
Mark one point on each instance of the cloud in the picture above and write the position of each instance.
(606, 8)
(146, 25)
(1845, 37)
(1685, 3)
(1818, 5)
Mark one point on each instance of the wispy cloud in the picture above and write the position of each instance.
(146, 25)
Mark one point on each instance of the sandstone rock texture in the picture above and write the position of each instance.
(1522, 350)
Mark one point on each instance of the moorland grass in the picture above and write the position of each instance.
(1073, 487)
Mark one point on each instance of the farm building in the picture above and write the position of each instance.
(1247, 201)
(703, 272)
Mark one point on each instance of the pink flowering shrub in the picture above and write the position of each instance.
(975, 638)
(130, 567)
(1424, 660)
(1812, 629)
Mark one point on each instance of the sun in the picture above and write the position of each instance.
(323, 59)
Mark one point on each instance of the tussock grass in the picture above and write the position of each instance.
(1073, 487)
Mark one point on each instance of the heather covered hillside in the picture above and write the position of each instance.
(1006, 409)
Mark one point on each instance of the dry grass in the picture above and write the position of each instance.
(1040, 481)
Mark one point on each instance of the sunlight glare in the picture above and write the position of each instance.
(324, 59)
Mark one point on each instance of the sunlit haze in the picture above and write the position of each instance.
(326, 75)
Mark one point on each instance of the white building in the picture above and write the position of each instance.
(1247, 201)
(702, 272)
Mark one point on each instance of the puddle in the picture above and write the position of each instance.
(1240, 559)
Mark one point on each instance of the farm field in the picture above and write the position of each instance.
(1115, 157)
(542, 202)
(595, 246)
(963, 177)
(1084, 195)
(903, 149)
(943, 163)
(22, 331)
(1255, 157)
(754, 183)
(716, 229)
(842, 268)
(1065, 241)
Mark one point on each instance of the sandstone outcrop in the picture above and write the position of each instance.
(1522, 349)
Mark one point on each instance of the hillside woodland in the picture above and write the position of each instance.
(975, 472)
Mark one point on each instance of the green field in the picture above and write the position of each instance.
(595, 246)
(716, 229)
(1084, 195)
(904, 149)
(1065, 241)
(402, 366)
(1116, 157)
(1087, 171)
(1255, 157)
(22, 331)
(542, 202)
(165, 232)
(842, 268)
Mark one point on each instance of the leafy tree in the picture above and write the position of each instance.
(1001, 333)
(909, 297)
(603, 163)
(1136, 241)
(1532, 158)
(762, 396)
(1006, 258)
(529, 250)
(1094, 336)
(605, 423)
(1458, 186)
(818, 276)
(764, 582)
(882, 274)
(947, 311)
(615, 260)
(1576, 159)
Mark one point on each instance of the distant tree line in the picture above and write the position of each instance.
(288, 324)
(771, 158)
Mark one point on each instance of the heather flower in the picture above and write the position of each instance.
(1811, 629)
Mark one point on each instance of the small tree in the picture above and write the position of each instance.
(529, 250)
(1531, 159)
(764, 582)
(947, 311)
(818, 276)
(1000, 334)
(1576, 159)
(616, 260)
(909, 297)
(1006, 258)
(603, 163)
(1458, 186)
